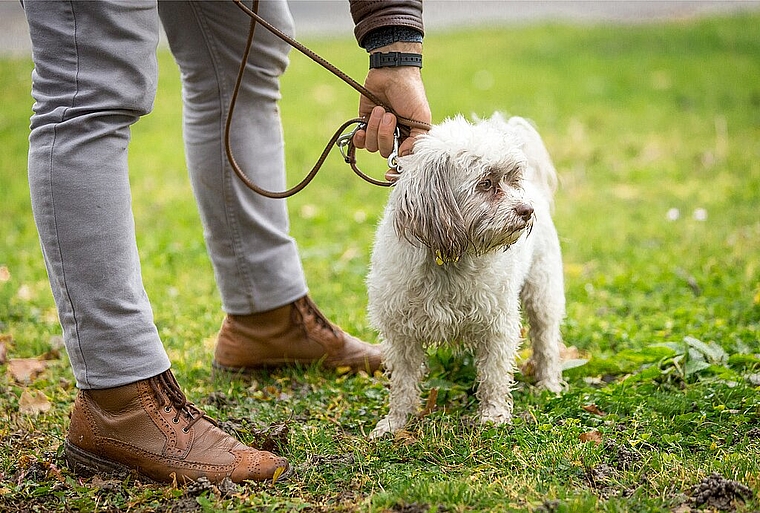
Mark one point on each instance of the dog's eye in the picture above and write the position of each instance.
(485, 185)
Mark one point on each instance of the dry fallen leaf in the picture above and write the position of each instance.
(591, 436)
(33, 402)
(430, 403)
(592, 408)
(25, 370)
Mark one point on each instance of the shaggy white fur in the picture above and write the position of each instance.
(466, 238)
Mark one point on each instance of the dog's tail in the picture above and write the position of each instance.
(542, 172)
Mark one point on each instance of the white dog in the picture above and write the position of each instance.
(466, 237)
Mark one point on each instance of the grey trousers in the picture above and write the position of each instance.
(95, 75)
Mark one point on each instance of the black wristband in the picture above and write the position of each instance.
(394, 59)
(383, 36)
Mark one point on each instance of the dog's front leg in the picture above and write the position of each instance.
(404, 363)
(494, 359)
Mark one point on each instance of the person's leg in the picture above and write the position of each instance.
(87, 94)
(270, 319)
(95, 74)
(256, 262)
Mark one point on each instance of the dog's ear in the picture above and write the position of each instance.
(427, 210)
(539, 162)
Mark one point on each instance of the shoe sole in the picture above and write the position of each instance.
(86, 464)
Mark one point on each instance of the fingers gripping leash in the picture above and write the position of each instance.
(347, 149)
(344, 141)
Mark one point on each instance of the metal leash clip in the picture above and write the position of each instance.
(347, 149)
(344, 141)
(393, 157)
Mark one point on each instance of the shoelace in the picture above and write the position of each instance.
(165, 386)
(312, 310)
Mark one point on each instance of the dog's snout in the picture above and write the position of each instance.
(524, 210)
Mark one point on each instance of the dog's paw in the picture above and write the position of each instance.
(384, 427)
(554, 385)
(495, 416)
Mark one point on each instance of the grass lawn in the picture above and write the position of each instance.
(655, 132)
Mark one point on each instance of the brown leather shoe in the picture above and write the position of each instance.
(297, 333)
(149, 426)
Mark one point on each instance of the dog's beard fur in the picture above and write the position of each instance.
(466, 234)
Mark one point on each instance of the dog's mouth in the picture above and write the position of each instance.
(503, 239)
(515, 235)
(522, 227)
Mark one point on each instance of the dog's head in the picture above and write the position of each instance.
(461, 191)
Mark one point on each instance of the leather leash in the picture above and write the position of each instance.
(344, 142)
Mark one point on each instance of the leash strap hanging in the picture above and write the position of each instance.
(345, 142)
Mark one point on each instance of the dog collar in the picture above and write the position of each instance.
(440, 260)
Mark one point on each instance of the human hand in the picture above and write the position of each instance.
(401, 89)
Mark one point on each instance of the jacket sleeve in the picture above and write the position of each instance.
(369, 15)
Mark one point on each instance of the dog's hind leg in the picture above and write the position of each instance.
(404, 362)
(543, 300)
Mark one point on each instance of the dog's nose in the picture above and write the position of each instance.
(524, 210)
